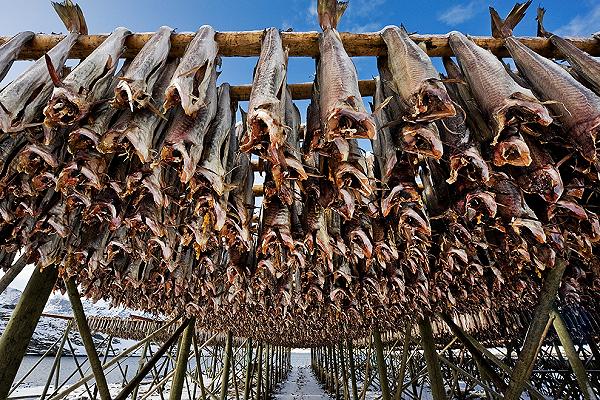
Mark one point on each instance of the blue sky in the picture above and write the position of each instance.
(577, 18)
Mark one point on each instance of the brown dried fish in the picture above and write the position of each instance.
(415, 79)
(135, 88)
(192, 77)
(343, 114)
(21, 99)
(74, 96)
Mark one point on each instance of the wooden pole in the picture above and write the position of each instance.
(267, 372)
(352, 369)
(431, 359)
(22, 323)
(567, 343)
(226, 366)
(381, 367)
(336, 371)
(299, 44)
(537, 331)
(197, 354)
(403, 361)
(151, 362)
(182, 360)
(260, 371)
(56, 362)
(248, 378)
(86, 337)
(344, 371)
(476, 354)
(13, 271)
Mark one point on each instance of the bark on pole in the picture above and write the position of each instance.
(431, 358)
(537, 331)
(22, 323)
(182, 361)
(226, 366)
(383, 380)
(352, 369)
(13, 271)
(402, 373)
(248, 378)
(567, 343)
(260, 371)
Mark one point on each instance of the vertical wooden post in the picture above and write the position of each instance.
(22, 323)
(381, 367)
(578, 368)
(352, 369)
(267, 390)
(182, 360)
(403, 361)
(248, 377)
(537, 331)
(56, 363)
(433, 365)
(336, 370)
(226, 366)
(140, 365)
(86, 337)
(344, 371)
(259, 378)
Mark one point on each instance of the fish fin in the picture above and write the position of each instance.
(502, 28)
(71, 15)
(52, 71)
(541, 32)
(330, 12)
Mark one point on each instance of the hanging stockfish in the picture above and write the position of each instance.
(22, 99)
(10, 50)
(135, 88)
(74, 96)
(190, 81)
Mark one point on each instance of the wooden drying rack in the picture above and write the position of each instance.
(298, 44)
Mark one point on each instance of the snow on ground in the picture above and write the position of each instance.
(301, 384)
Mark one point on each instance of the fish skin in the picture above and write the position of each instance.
(577, 107)
(217, 141)
(79, 91)
(493, 88)
(192, 77)
(585, 65)
(184, 139)
(10, 50)
(541, 177)
(415, 79)
(383, 147)
(343, 113)
(135, 88)
(266, 108)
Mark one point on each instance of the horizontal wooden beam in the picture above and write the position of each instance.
(299, 44)
(300, 91)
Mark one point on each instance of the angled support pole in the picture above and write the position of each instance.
(248, 377)
(182, 361)
(403, 361)
(567, 343)
(22, 323)
(537, 331)
(13, 271)
(431, 358)
(226, 366)
(86, 337)
(381, 367)
(352, 369)
(259, 377)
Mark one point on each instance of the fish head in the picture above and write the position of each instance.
(470, 164)
(67, 107)
(344, 121)
(545, 181)
(519, 109)
(420, 139)
(432, 102)
(480, 204)
(512, 151)
(584, 138)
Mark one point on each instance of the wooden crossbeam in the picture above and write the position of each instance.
(300, 91)
(299, 44)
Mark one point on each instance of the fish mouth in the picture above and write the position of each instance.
(432, 103)
(82, 139)
(66, 109)
(480, 204)
(519, 110)
(350, 124)
(546, 182)
(471, 164)
(584, 137)
(265, 130)
(421, 140)
(512, 151)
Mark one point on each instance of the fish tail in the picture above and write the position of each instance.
(502, 28)
(541, 32)
(71, 15)
(330, 12)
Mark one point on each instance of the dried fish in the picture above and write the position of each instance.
(135, 88)
(10, 50)
(193, 75)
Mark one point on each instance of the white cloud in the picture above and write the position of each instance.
(459, 13)
(581, 25)
(368, 27)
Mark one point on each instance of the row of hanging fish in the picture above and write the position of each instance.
(135, 178)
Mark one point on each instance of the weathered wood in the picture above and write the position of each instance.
(298, 44)
(86, 337)
(403, 362)
(182, 360)
(352, 369)
(56, 363)
(22, 323)
(300, 91)
(567, 343)
(153, 360)
(248, 377)
(431, 358)
(383, 379)
(226, 366)
(260, 372)
(12, 272)
(537, 331)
